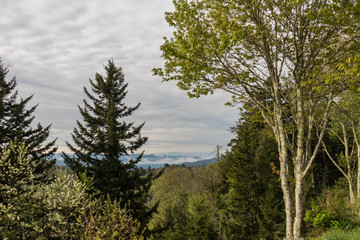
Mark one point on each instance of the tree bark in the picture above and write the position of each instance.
(299, 203)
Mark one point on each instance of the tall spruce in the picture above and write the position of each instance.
(251, 200)
(16, 123)
(103, 139)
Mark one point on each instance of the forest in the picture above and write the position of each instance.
(291, 171)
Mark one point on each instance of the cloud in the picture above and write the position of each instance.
(54, 47)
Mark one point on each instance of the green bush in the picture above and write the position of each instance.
(62, 209)
(321, 218)
(106, 220)
(331, 210)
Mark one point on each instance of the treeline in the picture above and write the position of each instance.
(240, 196)
(237, 198)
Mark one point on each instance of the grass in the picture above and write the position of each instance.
(341, 235)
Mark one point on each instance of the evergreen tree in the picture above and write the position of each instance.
(16, 121)
(251, 202)
(104, 138)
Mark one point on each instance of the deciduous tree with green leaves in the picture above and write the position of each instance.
(279, 56)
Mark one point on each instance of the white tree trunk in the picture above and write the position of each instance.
(299, 203)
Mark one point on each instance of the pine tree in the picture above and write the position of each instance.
(251, 202)
(16, 121)
(103, 138)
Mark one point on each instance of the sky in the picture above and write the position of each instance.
(54, 47)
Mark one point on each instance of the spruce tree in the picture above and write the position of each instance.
(16, 123)
(104, 138)
(251, 199)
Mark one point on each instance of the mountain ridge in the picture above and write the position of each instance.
(198, 159)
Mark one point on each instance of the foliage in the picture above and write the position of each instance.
(16, 174)
(332, 210)
(55, 210)
(106, 220)
(16, 121)
(63, 200)
(46, 211)
(321, 218)
(173, 188)
(103, 138)
(282, 56)
(16, 171)
(251, 202)
(201, 226)
(188, 204)
(338, 234)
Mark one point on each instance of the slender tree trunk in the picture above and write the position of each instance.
(299, 202)
(351, 190)
(358, 172)
(358, 160)
(286, 188)
(299, 162)
(284, 177)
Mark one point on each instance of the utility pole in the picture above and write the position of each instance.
(218, 147)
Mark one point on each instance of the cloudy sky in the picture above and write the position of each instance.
(54, 47)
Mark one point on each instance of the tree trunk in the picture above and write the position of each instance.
(358, 172)
(358, 161)
(285, 180)
(287, 195)
(299, 201)
(351, 190)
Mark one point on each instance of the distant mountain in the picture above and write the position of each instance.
(199, 159)
(200, 163)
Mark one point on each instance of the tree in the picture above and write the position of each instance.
(16, 121)
(201, 226)
(250, 204)
(341, 128)
(278, 55)
(174, 189)
(103, 138)
(16, 172)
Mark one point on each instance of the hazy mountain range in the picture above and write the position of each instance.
(160, 159)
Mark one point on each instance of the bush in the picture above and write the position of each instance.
(321, 218)
(61, 209)
(106, 220)
(332, 210)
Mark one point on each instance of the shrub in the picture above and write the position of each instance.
(332, 210)
(106, 220)
(61, 209)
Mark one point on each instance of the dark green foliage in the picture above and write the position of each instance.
(201, 226)
(186, 209)
(103, 138)
(251, 201)
(16, 121)
(331, 209)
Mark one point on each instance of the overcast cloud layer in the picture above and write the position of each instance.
(54, 47)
